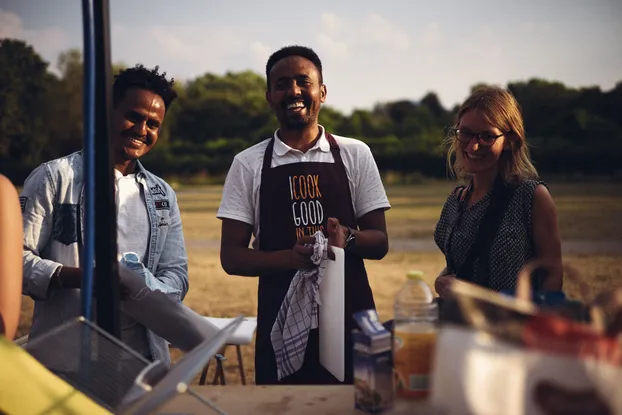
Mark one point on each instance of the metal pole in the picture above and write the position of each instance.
(89, 159)
(106, 274)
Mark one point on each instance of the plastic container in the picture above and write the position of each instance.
(415, 330)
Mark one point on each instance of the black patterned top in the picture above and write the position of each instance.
(513, 246)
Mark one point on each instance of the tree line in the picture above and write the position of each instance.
(570, 130)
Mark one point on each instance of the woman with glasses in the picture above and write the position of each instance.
(503, 217)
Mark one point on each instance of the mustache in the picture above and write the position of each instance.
(132, 134)
(286, 102)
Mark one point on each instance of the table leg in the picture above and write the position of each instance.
(240, 364)
(220, 371)
(204, 373)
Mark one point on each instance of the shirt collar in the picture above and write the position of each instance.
(140, 169)
(118, 176)
(139, 172)
(280, 148)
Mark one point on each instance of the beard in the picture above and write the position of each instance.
(297, 123)
(294, 121)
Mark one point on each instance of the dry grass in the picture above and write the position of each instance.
(586, 212)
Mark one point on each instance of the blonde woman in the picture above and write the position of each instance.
(504, 216)
(10, 258)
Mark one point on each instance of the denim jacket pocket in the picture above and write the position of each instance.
(65, 223)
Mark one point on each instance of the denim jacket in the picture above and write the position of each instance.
(52, 202)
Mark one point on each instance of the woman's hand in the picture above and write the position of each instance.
(443, 283)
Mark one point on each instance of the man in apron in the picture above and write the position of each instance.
(286, 188)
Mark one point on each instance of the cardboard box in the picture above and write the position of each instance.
(373, 363)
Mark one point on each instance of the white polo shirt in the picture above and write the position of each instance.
(240, 196)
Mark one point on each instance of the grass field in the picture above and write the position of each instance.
(588, 213)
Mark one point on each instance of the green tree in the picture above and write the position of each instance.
(228, 106)
(331, 119)
(64, 108)
(217, 116)
(65, 105)
(23, 88)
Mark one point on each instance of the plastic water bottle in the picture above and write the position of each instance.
(416, 317)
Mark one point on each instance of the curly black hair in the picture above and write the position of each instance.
(294, 50)
(141, 77)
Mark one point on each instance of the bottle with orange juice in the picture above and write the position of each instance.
(415, 329)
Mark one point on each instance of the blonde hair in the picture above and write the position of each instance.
(500, 109)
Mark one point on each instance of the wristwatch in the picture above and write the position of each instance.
(350, 240)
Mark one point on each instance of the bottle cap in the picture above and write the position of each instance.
(414, 275)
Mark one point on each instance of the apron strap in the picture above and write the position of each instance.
(334, 149)
(267, 156)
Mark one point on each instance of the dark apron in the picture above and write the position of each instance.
(295, 200)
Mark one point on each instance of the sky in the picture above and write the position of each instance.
(372, 51)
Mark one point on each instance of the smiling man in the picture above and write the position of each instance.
(148, 219)
(285, 189)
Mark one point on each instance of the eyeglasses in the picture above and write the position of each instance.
(486, 138)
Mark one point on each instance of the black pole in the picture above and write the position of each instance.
(106, 274)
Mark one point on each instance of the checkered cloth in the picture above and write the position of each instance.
(299, 312)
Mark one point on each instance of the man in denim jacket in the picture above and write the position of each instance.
(148, 218)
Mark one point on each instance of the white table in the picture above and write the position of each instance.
(241, 337)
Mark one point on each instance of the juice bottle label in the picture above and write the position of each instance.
(413, 356)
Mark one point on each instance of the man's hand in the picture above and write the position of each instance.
(442, 284)
(337, 233)
(124, 292)
(371, 235)
(238, 259)
(69, 277)
(300, 257)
